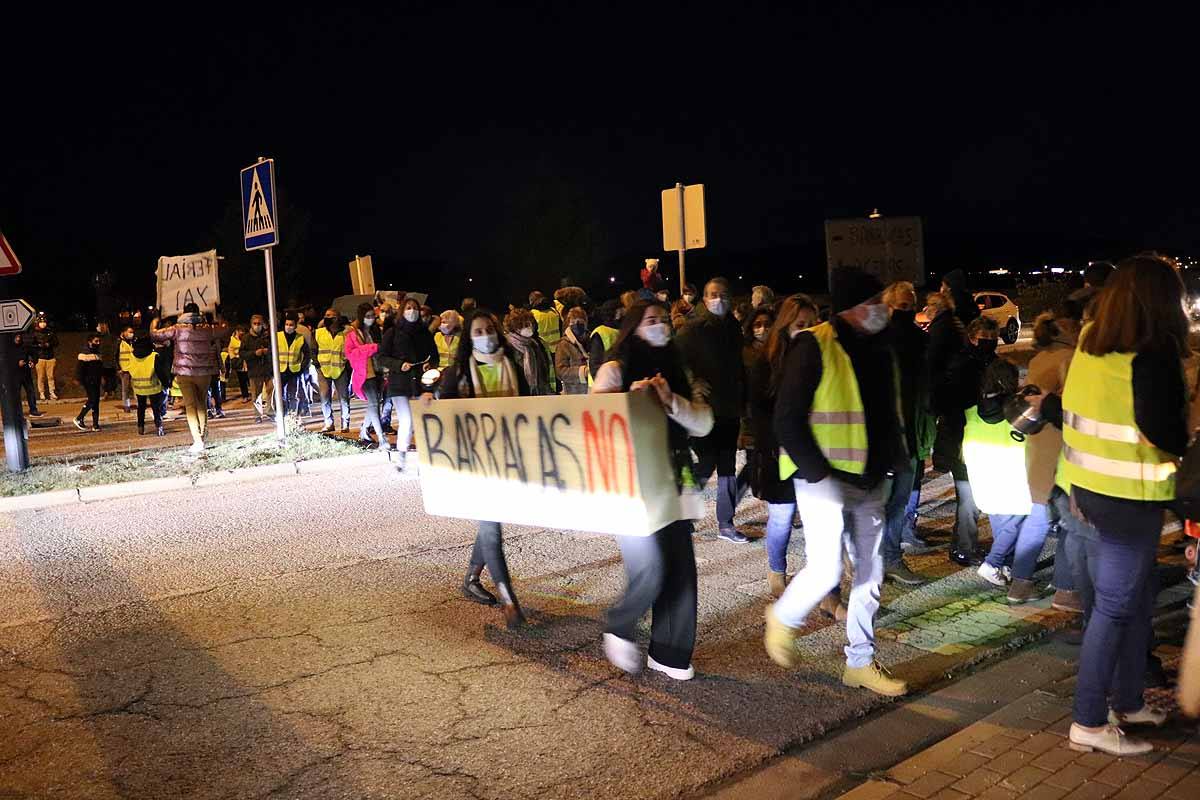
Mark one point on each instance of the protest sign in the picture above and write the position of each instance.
(583, 462)
(188, 279)
(890, 248)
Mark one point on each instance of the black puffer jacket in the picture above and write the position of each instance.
(712, 351)
(405, 342)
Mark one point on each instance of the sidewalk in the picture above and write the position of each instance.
(1021, 751)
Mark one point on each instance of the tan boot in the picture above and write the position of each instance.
(780, 641)
(832, 606)
(776, 582)
(875, 678)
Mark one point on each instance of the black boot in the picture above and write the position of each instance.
(79, 419)
(513, 618)
(473, 590)
(141, 429)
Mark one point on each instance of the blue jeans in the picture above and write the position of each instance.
(1064, 567)
(896, 511)
(489, 552)
(1020, 537)
(1112, 660)
(779, 534)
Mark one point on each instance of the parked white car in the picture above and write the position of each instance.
(1004, 311)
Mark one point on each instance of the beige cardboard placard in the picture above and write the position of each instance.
(596, 462)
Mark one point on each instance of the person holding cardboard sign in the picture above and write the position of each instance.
(486, 366)
(660, 569)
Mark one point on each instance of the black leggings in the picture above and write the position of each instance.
(92, 387)
(155, 401)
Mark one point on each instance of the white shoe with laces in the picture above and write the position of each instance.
(622, 653)
(1143, 716)
(1110, 739)
(672, 672)
(992, 575)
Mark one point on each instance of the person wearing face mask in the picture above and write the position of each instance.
(522, 336)
(486, 366)
(256, 355)
(237, 363)
(603, 336)
(308, 380)
(362, 345)
(89, 371)
(26, 359)
(840, 431)
(754, 330)
(449, 332)
(124, 357)
(332, 373)
(404, 352)
(712, 348)
(660, 569)
(194, 364)
(294, 356)
(427, 319)
(45, 340)
(571, 357)
(909, 343)
(147, 385)
(549, 329)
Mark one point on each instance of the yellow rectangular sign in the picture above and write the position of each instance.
(694, 231)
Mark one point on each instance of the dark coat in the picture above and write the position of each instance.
(947, 342)
(764, 466)
(712, 351)
(257, 366)
(46, 343)
(409, 342)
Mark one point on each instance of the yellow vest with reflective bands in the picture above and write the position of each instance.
(331, 353)
(235, 346)
(837, 417)
(142, 375)
(549, 329)
(290, 358)
(607, 335)
(124, 356)
(446, 347)
(996, 464)
(1103, 449)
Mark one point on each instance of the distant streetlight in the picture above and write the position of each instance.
(874, 214)
(612, 279)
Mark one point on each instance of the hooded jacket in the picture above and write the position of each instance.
(195, 345)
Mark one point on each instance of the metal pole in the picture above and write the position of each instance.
(280, 430)
(682, 240)
(16, 450)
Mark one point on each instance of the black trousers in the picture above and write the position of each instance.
(660, 571)
(217, 389)
(155, 401)
(25, 377)
(92, 387)
(243, 380)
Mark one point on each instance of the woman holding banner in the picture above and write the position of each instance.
(486, 366)
(660, 569)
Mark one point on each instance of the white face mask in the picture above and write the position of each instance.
(761, 335)
(876, 319)
(717, 307)
(691, 298)
(368, 321)
(655, 335)
(663, 297)
(526, 332)
(446, 329)
(486, 344)
(412, 315)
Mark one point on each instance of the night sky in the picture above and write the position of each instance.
(516, 147)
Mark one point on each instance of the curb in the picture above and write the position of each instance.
(111, 491)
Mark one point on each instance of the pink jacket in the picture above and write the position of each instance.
(357, 354)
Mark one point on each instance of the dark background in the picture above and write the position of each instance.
(492, 152)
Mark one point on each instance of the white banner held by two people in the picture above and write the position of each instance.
(188, 279)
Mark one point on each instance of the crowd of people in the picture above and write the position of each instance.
(837, 412)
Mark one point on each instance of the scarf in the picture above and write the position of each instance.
(571, 338)
(509, 387)
(535, 360)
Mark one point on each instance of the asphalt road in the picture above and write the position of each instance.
(305, 638)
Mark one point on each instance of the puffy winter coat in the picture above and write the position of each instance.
(195, 345)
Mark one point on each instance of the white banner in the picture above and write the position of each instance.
(188, 279)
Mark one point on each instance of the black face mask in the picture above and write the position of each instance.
(580, 331)
(986, 347)
(901, 317)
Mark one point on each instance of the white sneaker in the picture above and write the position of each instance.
(1111, 740)
(1006, 571)
(197, 448)
(1143, 716)
(992, 575)
(622, 653)
(672, 672)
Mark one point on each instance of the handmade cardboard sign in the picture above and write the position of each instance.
(595, 462)
(188, 279)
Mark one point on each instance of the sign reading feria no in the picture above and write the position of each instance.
(890, 248)
(188, 279)
(582, 462)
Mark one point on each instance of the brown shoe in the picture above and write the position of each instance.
(1066, 600)
(776, 582)
(513, 618)
(832, 606)
(1021, 591)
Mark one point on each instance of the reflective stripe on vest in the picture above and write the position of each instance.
(607, 335)
(837, 416)
(1104, 451)
(549, 324)
(446, 347)
(142, 375)
(289, 357)
(125, 356)
(331, 353)
(996, 465)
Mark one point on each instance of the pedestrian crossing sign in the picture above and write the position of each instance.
(260, 223)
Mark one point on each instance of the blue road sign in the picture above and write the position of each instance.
(259, 221)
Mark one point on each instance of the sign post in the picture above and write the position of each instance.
(683, 223)
(260, 226)
(15, 317)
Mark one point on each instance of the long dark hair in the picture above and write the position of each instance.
(639, 359)
(779, 338)
(751, 318)
(1140, 309)
(466, 347)
(365, 334)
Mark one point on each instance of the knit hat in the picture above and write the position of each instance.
(850, 286)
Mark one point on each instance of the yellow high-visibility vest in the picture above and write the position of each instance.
(175, 390)
(608, 335)
(837, 417)
(142, 375)
(996, 464)
(124, 356)
(290, 358)
(235, 346)
(447, 346)
(331, 353)
(1104, 451)
(549, 325)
